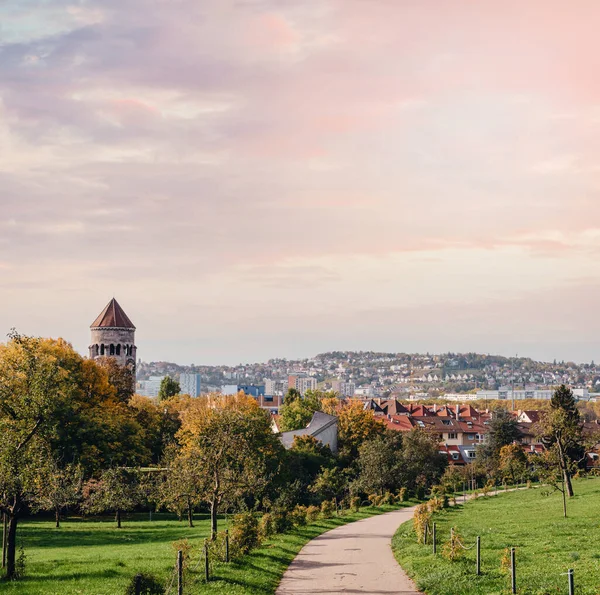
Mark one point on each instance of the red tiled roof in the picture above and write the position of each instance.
(113, 316)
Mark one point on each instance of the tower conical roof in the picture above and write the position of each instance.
(113, 316)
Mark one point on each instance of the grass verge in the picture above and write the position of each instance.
(547, 545)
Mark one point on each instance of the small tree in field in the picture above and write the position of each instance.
(561, 431)
(118, 491)
(513, 462)
(59, 489)
(169, 387)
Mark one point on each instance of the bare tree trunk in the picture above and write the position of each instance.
(118, 519)
(57, 517)
(190, 511)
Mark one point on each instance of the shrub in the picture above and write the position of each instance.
(375, 499)
(281, 521)
(216, 548)
(421, 520)
(243, 532)
(185, 547)
(266, 527)
(402, 495)
(420, 493)
(149, 585)
(355, 503)
(327, 509)
(435, 504)
(388, 498)
(312, 513)
(298, 515)
(452, 549)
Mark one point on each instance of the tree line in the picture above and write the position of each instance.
(75, 437)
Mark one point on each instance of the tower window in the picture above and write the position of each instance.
(101, 349)
(118, 350)
(112, 349)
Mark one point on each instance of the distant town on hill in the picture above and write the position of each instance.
(402, 375)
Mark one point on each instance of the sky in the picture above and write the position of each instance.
(279, 178)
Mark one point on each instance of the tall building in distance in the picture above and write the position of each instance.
(302, 383)
(113, 335)
(190, 384)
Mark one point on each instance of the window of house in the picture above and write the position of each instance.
(451, 435)
(421, 424)
(455, 456)
(471, 454)
(470, 436)
(446, 422)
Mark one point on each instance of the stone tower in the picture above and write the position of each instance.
(113, 335)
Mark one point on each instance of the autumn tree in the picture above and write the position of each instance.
(117, 491)
(230, 441)
(169, 387)
(356, 425)
(34, 385)
(503, 430)
(330, 484)
(512, 462)
(561, 431)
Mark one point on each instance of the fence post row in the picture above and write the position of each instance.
(513, 571)
(179, 572)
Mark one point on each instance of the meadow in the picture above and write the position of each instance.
(92, 557)
(547, 545)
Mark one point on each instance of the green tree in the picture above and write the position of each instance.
(117, 490)
(59, 488)
(422, 463)
(503, 430)
(297, 412)
(561, 431)
(330, 484)
(380, 463)
(169, 387)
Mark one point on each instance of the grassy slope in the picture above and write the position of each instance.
(94, 558)
(547, 544)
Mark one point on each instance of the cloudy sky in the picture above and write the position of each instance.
(263, 178)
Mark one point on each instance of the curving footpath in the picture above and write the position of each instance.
(354, 558)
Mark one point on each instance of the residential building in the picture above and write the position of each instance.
(322, 426)
(150, 387)
(302, 383)
(190, 384)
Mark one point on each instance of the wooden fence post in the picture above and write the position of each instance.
(433, 536)
(179, 572)
(478, 555)
(138, 584)
(226, 545)
(571, 582)
(513, 571)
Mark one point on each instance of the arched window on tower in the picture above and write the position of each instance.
(118, 350)
(112, 349)
(101, 349)
(96, 350)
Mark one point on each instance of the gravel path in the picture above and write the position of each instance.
(354, 558)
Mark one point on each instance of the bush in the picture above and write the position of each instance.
(185, 547)
(420, 493)
(375, 499)
(355, 503)
(327, 509)
(312, 513)
(217, 549)
(243, 532)
(388, 498)
(402, 495)
(281, 521)
(452, 549)
(266, 526)
(298, 515)
(420, 520)
(149, 584)
(435, 504)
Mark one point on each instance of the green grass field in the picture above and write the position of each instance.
(547, 545)
(94, 558)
